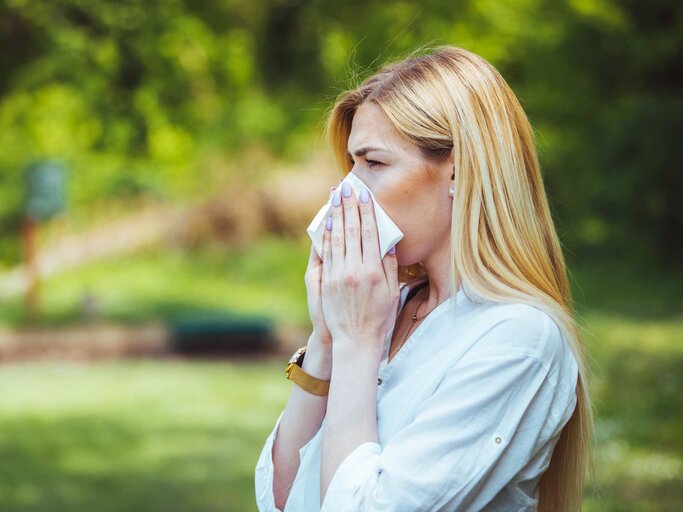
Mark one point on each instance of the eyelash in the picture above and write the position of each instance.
(370, 163)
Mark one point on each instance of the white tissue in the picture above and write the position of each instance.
(389, 234)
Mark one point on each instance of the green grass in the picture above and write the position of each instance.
(134, 436)
(637, 369)
(172, 436)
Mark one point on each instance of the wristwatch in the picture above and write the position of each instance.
(305, 381)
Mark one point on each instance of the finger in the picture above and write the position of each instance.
(369, 233)
(314, 258)
(337, 233)
(390, 264)
(313, 278)
(327, 247)
(351, 226)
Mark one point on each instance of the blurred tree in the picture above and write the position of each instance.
(135, 94)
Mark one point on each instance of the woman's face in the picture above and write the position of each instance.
(413, 192)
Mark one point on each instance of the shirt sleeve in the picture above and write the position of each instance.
(482, 424)
(264, 473)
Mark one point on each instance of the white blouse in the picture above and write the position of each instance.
(468, 413)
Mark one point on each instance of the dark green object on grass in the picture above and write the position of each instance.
(221, 334)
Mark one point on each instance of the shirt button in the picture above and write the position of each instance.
(498, 440)
(379, 381)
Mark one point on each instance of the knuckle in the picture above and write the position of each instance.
(350, 280)
(352, 230)
(367, 211)
(374, 277)
(369, 232)
(337, 240)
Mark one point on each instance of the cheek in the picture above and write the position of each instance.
(393, 202)
(398, 195)
(420, 218)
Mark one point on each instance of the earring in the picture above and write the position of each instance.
(451, 192)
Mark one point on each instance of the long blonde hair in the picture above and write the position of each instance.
(450, 99)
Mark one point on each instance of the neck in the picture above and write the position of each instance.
(438, 267)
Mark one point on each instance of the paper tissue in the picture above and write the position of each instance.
(389, 234)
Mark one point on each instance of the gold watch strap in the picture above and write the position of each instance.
(296, 374)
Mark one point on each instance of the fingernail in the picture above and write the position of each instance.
(336, 198)
(392, 250)
(346, 189)
(364, 195)
(328, 224)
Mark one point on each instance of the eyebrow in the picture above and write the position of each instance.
(362, 151)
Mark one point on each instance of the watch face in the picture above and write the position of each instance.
(296, 355)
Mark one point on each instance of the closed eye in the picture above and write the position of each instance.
(371, 163)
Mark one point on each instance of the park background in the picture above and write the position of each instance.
(189, 138)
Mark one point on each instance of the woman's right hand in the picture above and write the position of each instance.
(314, 277)
(313, 281)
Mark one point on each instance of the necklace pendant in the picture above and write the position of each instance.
(414, 318)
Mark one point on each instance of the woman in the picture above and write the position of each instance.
(466, 388)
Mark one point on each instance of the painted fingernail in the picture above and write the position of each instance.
(328, 224)
(346, 189)
(364, 195)
(392, 250)
(336, 198)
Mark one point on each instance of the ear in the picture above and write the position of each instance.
(451, 162)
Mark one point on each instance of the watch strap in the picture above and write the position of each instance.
(296, 374)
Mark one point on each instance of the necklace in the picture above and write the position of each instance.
(414, 320)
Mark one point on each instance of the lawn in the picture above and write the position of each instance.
(172, 435)
(134, 436)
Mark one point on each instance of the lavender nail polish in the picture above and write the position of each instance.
(336, 197)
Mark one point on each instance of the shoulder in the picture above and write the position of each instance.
(524, 329)
(524, 336)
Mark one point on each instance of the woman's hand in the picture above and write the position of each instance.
(360, 291)
(313, 280)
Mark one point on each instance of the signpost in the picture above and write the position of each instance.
(44, 198)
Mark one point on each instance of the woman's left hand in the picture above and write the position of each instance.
(360, 291)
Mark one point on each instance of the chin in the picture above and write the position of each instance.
(404, 259)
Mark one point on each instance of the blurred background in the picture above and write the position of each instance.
(161, 160)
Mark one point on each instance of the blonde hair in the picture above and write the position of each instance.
(451, 99)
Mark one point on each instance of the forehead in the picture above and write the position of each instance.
(372, 127)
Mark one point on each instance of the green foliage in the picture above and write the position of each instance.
(137, 95)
